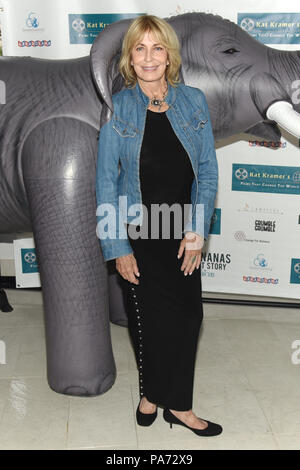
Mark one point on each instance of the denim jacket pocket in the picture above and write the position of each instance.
(198, 120)
(124, 129)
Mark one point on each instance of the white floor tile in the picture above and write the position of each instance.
(244, 380)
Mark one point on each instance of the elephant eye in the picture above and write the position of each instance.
(232, 50)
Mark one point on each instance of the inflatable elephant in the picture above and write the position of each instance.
(50, 122)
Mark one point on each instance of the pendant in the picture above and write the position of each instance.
(156, 102)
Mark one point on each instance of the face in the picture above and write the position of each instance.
(149, 58)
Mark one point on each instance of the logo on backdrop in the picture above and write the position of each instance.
(32, 23)
(264, 225)
(261, 210)
(215, 225)
(261, 280)
(295, 271)
(29, 260)
(271, 28)
(241, 236)
(260, 262)
(267, 143)
(266, 178)
(214, 262)
(84, 28)
(35, 43)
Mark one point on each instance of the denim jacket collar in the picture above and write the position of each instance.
(140, 95)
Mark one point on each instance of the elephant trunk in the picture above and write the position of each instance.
(273, 102)
(284, 114)
(103, 55)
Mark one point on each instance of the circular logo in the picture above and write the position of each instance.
(240, 236)
(30, 257)
(241, 174)
(297, 268)
(78, 25)
(247, 24)
(296, 176)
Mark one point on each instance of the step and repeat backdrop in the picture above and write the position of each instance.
(254, 246)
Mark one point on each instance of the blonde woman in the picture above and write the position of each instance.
(161, 135)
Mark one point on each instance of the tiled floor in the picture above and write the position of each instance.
(244, 380)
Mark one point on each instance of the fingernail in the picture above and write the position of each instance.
(185, 274)
(177, 256)
(191, 273)
(138, 274)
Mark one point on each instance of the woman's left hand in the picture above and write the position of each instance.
(192, 243)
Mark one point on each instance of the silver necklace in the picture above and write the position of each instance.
(157, 102)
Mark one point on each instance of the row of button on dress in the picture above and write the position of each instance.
(140, 362)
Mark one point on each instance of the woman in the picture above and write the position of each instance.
(161, 134)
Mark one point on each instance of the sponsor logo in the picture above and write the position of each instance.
(35, 43)
(261, 210)
(214, 262)
(84, 28)
(260, 262)
(247, 24)
(295, 271)
(271, 28)
(268, 144)
(29, 260)
(215, 225)
(241, 174)
(260, 280)
(266, 178)
(240, 236)
(78, 25)
(264, 225)
(32, 23)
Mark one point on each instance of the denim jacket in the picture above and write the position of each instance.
(117, 173)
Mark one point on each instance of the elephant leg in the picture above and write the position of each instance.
(59, 169)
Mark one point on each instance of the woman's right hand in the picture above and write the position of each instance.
(127, 267)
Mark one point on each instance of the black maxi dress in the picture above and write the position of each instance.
(165, 309)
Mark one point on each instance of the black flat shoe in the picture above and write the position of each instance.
(4, 304)
(145, 419)
(212, 429)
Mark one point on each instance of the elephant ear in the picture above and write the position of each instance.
(104, 57)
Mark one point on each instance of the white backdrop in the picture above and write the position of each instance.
(254, 246)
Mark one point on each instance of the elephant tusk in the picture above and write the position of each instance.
(284, 114)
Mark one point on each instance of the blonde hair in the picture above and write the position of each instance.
(165, 35)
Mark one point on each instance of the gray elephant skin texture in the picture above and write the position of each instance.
(50, 119)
